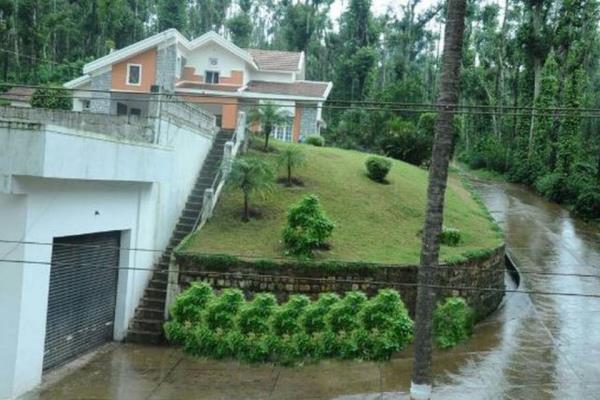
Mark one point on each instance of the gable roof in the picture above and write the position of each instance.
(297, 88)
(275, 60)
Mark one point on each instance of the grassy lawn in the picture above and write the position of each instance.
(374, 222)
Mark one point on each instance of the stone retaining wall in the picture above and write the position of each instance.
(289, 277)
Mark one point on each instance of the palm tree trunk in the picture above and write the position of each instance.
(267, 135)
(289, 171)
(438, 174)
(246, 209)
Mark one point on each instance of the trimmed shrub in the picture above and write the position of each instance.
(314, 317)
(450, 236)
(286, 320)
(260, 330)
(452, 322)
(190, 304)
(254, 316)
(51, 98)
(315, 140)
(307, 227)
(378, 168)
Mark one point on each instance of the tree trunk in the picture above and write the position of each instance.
(289, 171)
(438, 175)
(246, 208)
(537, 76)
(267, 135)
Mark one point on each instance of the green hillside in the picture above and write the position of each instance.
(374, 222)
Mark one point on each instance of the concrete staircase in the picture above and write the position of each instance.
(146, 325)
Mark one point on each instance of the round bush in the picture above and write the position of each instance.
(315, 140)
(452, 322)
(588, 203)
(450, 236)
(378, 168)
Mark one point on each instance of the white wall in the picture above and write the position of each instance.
(226, 61)
(96, 186)
(286, 77)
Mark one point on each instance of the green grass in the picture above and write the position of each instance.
(374, 222)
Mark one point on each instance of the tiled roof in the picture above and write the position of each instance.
(298, 88)
(208, 86)
(18, 94)
(275, 60)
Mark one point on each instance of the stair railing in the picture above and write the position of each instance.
(230, 151)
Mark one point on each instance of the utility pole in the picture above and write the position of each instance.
(420, 388)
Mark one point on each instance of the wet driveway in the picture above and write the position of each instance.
(536, 346)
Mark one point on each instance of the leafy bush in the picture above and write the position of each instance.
(315, 140)
(553, 186)
(222, 310)
(52, 98)
(452, 322)
(588, 203)
(314, 316)
(378, 168)
(403, 141)
(254, 316)
(343, 314)
(450, 236)
(190, 304)
(307, 227)
(260, 330)
(286, 320)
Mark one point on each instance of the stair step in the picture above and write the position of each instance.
(152, 293)
(157, 284)
(150, 313)
(147, 325)
(144, 337)
(152, 303)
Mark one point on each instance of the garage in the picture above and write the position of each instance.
(82, 295)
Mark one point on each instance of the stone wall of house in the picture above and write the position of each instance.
(308, 121)
(166, 63)
(101, 82)
(285, 278)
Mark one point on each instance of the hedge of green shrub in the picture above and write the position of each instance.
(378, 168)
(450, 236)
(452, 322)
(226, 325)
(315, 140)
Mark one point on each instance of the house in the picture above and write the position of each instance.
(17, 96)
(90, 205)
(209, 71)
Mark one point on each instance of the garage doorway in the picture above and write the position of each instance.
(82, 295)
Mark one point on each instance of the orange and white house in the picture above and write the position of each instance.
(210, 71)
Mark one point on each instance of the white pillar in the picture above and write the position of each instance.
(227, 157)
(207, 204)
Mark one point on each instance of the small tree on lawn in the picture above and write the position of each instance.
(268, 115)
(291, 157)
(250, 175)
(307, 227)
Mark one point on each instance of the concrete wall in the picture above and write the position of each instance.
(312, 279)
(77, 184)
(166, 63)
(308, 122)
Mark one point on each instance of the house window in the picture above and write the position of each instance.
(134, 74)
(283, 132)
(121, 109)
(85, 105)
(211, 77)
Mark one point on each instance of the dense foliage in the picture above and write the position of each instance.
(226, 325)
(518, 54)
(307, 228)
(52, 98)
(378, 168)
(315, 141)
(452, 322)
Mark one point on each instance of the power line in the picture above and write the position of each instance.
(355, 103)
(316, 279)
(283, 259)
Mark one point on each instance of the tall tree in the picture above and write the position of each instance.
(438, 175)
(171, 14)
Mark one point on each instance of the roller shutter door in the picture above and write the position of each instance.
(82, 295)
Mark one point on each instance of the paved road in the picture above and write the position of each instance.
(534, 347)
